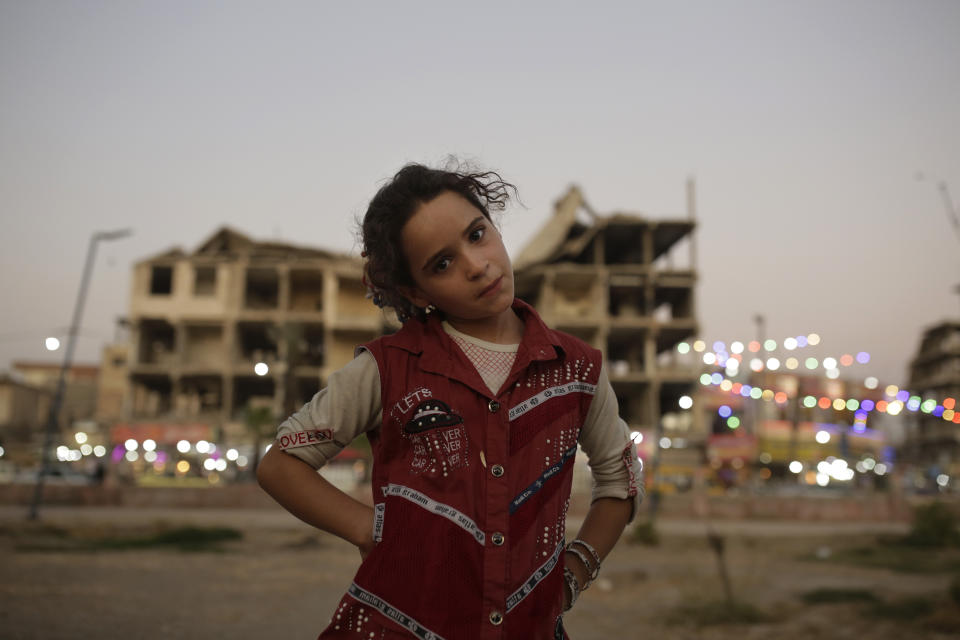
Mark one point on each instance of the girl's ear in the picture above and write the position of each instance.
(414, 295)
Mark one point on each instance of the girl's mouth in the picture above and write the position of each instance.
(492, 288)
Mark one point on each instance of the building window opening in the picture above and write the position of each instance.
(306, 290)
(252, 393)
(151, 396)
(673, 303)
(307, 350)
(161, 280)
(623, 244)
(627, 301)
(262, 289)
(156, 342)
(201, 395)
(257, 342)
(625, 353)
(205, 281)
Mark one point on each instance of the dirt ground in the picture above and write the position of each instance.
(282, 580)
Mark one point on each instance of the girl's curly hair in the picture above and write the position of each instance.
(386, 269)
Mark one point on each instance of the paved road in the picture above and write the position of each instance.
(277, 519)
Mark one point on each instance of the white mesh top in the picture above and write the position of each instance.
(493, 361)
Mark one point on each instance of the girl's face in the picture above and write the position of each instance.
(458, 262)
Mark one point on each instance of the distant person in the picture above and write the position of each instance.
(474, 410)
(99, 471)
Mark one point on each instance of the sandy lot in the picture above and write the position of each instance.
(282, 580)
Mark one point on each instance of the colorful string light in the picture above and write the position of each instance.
(753, 346)
(899, 400)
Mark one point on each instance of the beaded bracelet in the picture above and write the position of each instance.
(593, 571)
(586, 565)
(572, 585)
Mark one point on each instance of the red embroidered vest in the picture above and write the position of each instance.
(470, 488)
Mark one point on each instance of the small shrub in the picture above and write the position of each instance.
(906, 610)
(182, 538)
(934, 526)
(837, 596)
(954, 590)
(645, 533)
(716, 612)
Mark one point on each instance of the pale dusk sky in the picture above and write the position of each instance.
(805, 125)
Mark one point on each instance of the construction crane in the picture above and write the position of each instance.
(952, 216)
(948, 203)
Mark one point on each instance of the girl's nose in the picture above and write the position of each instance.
(475, 265)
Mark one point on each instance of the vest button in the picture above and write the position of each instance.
(497, 538)
(496, 470)
(494, 406)
(496, 617)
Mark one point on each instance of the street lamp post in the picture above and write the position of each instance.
(53, 417)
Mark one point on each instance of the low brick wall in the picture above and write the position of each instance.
(865, 507)
(244, 496)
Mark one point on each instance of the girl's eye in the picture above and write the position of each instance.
(477, 233)
(441, 264)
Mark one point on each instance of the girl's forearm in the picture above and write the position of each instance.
(601, 529)
(309, 496)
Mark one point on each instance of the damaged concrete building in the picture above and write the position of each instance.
(932, 442)
(620, 283)
(202, 322)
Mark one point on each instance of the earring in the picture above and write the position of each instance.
(427, 310)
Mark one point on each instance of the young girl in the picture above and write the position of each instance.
(474, 410)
